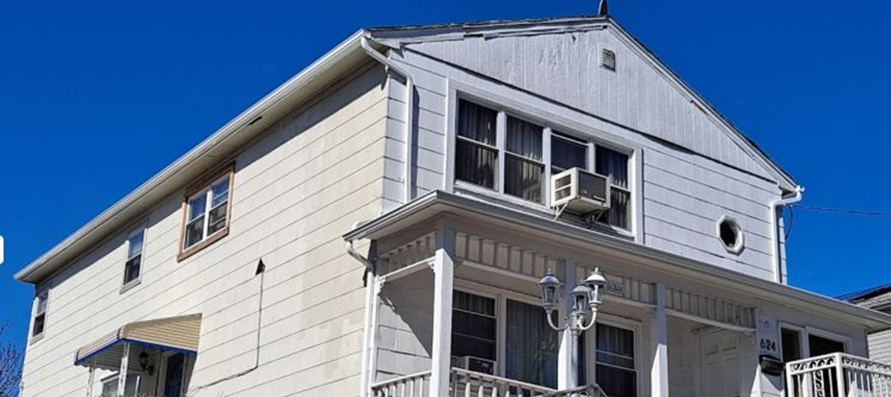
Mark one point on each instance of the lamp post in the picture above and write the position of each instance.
(586, 301)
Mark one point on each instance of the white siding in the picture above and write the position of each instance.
(880, 346)
(296, 191)
(565, 67)
(684, 193)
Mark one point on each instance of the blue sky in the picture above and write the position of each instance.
(96, 97)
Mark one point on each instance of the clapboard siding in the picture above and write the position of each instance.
(565, 67)
(880, 346)
(296, 191)
(685, 193)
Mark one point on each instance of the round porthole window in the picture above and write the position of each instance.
(730, 234)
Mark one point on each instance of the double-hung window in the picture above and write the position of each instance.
(39, 326)
(615, 367)
(506, 154)
(207, 213)
(133, 265)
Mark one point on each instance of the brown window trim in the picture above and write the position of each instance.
(195, 188)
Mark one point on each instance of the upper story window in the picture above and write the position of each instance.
(505, 153)
(133, 265)
(40, 306)
(207, 213)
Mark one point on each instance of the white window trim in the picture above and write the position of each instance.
(113, 379)
(623, 323)
(126, 286)
(741, 235)
(207, 192)
(35, 313)
(501, 295)
(804, 342)
(460, 91)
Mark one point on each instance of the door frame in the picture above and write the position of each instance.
(162, 371)
(698, 359)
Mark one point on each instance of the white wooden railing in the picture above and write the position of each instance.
(464, 383)
(838, 375)
(417, 385)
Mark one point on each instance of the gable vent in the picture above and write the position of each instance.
(608, 59)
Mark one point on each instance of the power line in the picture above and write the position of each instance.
(842, 211)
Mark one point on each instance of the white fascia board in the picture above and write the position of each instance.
(249, 123)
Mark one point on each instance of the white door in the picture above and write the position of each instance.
(720, 364)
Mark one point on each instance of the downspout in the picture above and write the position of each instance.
(371, 291)
(409, 106)
(774, 223)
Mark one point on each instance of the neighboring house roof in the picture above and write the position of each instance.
(324, 72)
(878, 298)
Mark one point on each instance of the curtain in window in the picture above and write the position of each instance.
(531, 345)
(567, 153)
(523, 169)
(474, 326)
(616, 372)
(615, 164)
(476, 158)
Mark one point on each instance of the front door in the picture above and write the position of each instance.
(719, 364)
(173, 381)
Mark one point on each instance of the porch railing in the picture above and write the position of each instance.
(838, 375)
(417, 385)
(464, 383)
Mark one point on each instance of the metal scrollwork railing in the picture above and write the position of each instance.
(838, 375)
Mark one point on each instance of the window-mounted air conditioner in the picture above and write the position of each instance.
(580, 191)
(474, 364)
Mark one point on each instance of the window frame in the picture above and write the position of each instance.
(205, 186)
(127, 285)
(551, 124)
(804, 333)
(113, 380)
(591, 349)
(35, 313)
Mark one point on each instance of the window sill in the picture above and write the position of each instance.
(185, 254)
(494, 197)
(131, 285)
(38, 338)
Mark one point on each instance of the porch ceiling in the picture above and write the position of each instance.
(423, 214)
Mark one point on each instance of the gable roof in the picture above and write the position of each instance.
(875, 297)
(312, 80)
(562, 48)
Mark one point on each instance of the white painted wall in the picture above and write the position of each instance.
(680, 194)
(296, 191)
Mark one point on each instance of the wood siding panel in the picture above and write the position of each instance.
(296, 191)
(551, 66)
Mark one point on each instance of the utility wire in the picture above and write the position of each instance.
(842, 211)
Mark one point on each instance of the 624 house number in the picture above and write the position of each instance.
(768, 345)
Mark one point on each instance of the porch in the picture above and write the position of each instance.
(455, 311)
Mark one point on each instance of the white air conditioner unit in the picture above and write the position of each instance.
(474, 364)
(580, 191)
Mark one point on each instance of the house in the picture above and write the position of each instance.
(380, 225)
(877, 298)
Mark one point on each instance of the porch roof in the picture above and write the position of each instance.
(438, 204)
(171, 334)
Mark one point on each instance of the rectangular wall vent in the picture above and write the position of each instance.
(608, 59)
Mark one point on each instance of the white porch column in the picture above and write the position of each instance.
(122, 375)
(444, 269)
(568, 356)
(659, 346)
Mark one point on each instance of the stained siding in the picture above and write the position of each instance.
(296, 191)
(684, 193)
(565, 67)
